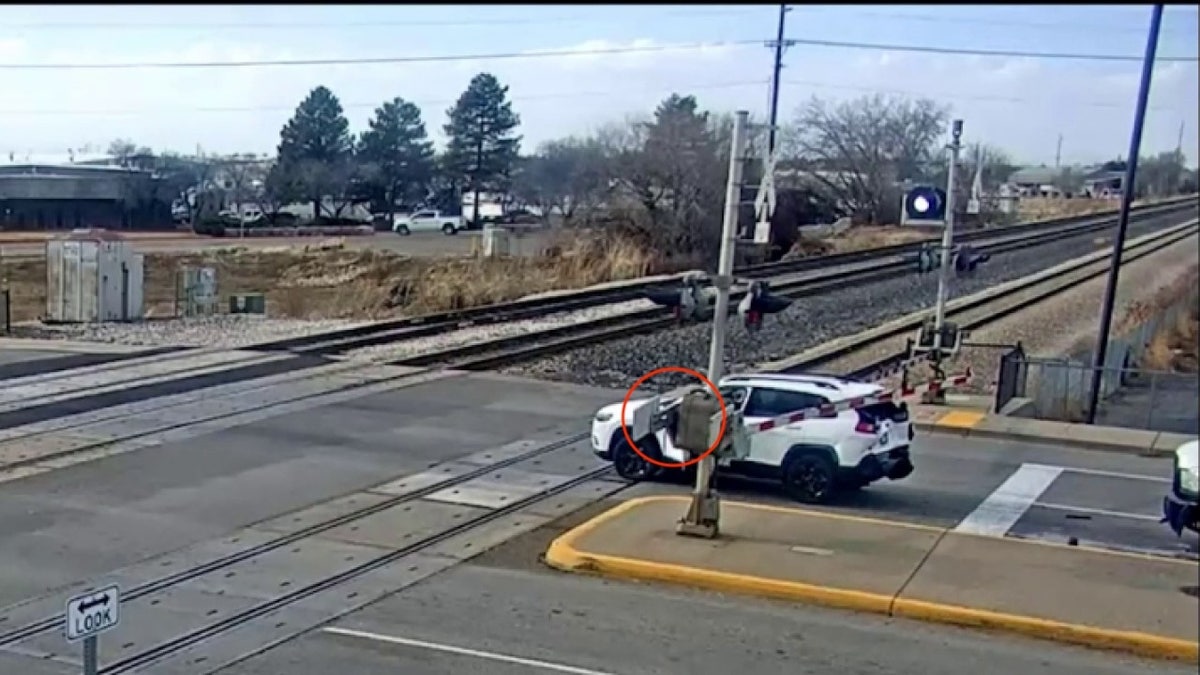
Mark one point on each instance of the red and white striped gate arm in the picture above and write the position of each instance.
(833, 409)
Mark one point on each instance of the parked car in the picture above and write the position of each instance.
(1181, 506)
(813, 459)
(427, 221)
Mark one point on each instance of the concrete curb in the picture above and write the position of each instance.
(1147, 449)
(563, 555)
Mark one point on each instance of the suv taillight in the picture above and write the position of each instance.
(865, 427)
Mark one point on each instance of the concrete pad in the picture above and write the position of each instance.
(1117, 591)
(769, 543)
(1121, 601)
(436, 475)
(403, 524)
(319, 513)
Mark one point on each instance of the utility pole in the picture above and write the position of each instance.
(939, 317)
(703, 515)
(1058, 153)
(775, 72)
(1127, 190)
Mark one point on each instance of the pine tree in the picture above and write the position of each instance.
(482, 148)
(398, 153)
(315, 147)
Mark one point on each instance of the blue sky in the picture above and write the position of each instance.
(1020, 104)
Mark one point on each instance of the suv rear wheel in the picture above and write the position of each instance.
(449, 229)
(810, 478)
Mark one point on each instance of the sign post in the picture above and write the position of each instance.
(89, 615)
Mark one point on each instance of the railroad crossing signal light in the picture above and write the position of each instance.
(758, 302)
(968, 259)
(689, 302)
(924, 205)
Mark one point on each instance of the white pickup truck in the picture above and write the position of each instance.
(427, 221)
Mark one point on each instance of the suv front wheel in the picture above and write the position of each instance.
(631, 466)
(810, 478)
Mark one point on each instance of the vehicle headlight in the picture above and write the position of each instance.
(603, 416)
(1189, 482)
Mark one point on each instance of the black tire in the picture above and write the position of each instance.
(402, 231)
(810, 478)
(449, 229)
(633, 467)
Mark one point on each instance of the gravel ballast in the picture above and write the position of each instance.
(807, 323)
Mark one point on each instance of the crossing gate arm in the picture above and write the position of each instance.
(833, 409)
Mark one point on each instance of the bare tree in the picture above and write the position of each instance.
(567, 177)
(860, 150)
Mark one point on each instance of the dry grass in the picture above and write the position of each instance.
(328, 280)
(1174, 347)
(1040, 208)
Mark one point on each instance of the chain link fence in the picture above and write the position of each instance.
(1057, 388)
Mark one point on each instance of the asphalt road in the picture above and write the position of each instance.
(495, 618)
(417, 244)
(91, 518)
(84, 520)
(1107, 499)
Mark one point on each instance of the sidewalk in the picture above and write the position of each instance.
(1095, 598)
(969, 421)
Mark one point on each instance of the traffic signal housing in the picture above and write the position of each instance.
(924, 205)
(758, 302)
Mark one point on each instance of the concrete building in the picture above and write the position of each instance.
(40, 195)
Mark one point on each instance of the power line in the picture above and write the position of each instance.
(559, 53)
(986, 98)
(985, 52)
(360, 106)
(383, 23)
(939, 18)
(429, 103)
(352, 61)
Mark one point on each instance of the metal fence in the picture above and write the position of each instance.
(5, 312)
(1134, 397)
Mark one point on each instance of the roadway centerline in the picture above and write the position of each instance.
(464, 651)
(1097, 512)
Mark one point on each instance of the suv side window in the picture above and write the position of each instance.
(735, 396)
(774, 402)
(422, 214)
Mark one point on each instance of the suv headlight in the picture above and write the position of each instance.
(603, 416)
(1189, 482)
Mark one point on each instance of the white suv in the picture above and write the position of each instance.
(813, 458)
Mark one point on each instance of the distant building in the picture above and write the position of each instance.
(1037, 181)
(1101, 184)
(62, 196)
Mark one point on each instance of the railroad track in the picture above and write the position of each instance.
(479, 355)
(976, 311)
(514, 349)
(971, 313)
(150, 588)
(385, 332)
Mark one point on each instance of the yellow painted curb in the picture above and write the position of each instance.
(1142, 644)
(562, 554)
